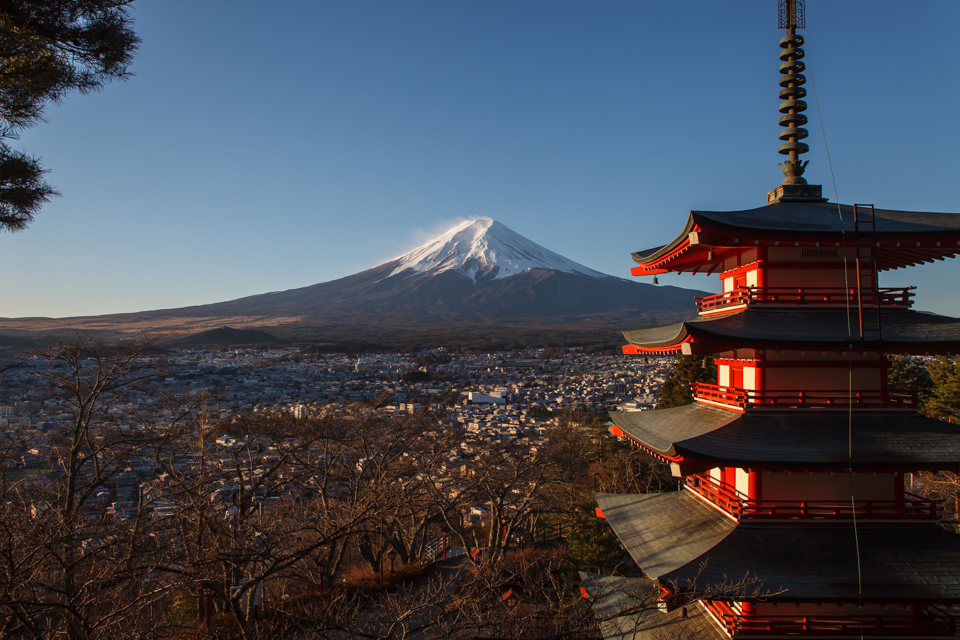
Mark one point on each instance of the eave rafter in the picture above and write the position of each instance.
(697, 347)
(635, 350)
(662, 457)
(714, 334)
(691, 252)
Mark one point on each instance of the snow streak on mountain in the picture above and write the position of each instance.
(485, 249)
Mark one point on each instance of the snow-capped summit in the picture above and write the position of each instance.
(479, 274)
(485, 248)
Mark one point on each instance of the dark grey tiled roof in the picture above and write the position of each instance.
(914, 563)
(809, 218)
(661, 430)
(675, 538)
(816, 328)
(622, 608)
(796, 438)
(823, 217)
(663, 531)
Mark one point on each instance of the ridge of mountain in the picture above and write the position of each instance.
(478, 278)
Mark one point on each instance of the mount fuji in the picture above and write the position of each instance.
(484, 249)
(479, 278)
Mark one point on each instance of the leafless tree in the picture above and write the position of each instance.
(70, 568)
(261, 523)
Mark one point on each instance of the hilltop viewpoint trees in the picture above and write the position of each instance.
(676, 390)
(944, 399)
(49, 48)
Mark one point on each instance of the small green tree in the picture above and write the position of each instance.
(676, 389)
(944, 398)
(592, 543)
(904, 373)
(539, 411)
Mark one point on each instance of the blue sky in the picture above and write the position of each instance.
(267, 146)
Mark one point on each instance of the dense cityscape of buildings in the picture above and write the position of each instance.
(506, 397)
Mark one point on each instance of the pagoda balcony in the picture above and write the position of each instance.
(758, 399)
(930, 621)
(740, 507)
(742, 297)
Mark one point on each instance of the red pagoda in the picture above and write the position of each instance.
(794, 462)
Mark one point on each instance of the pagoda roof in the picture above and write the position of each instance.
(675, 528)
(795, 563)
(806, 439)
(824, 221)
(626, 610)
(903, 331)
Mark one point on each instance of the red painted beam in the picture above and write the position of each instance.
(633, 350)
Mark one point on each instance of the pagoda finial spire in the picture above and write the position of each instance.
(791, 14)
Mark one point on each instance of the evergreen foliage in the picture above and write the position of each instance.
(676, 389)
(225, 337)
(49, 48)
(415, 376)
(904, 373)
(592, 543)
(944, 398)
(539, 411)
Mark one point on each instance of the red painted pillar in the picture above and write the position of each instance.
(899, 494)
(753, 485)
(761, 271)
(884, 364)
(728, 478)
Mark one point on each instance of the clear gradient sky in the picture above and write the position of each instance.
(266, 146)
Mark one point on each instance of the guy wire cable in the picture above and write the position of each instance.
(836, 195)
(846, 283)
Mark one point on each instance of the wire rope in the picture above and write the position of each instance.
(846, 283)
(836, 196)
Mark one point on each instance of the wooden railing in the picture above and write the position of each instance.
(929, 622)
(796, 399)
(913, 507)
(896, 298)
(724, 496)
(544, 534)
(730, 396)
(852, 625)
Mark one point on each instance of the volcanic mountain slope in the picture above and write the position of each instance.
(478, 273)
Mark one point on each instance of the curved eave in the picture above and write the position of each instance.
(825, 218)
(660, 431)
(894, 250)
(809, 563)
(807, 439)
(903, 238)
(666, 339)
(902, 332)
(685, 545)
(615, 604)
(634, 350)
(650, 257)
(663, 532)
